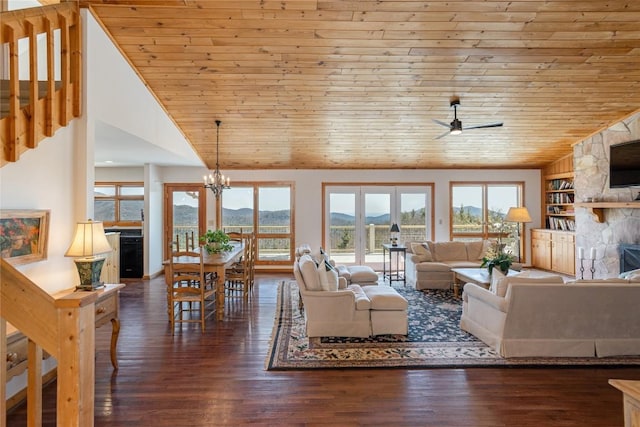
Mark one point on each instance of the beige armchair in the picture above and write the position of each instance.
(341, 313)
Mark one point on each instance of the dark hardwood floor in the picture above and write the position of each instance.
(218, 378)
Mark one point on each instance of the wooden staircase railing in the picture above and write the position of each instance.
(33, 109)
(63, 327)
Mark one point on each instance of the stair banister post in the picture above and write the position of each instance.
(76, 361)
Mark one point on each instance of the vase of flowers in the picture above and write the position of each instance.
(498, 259)
(216, 241)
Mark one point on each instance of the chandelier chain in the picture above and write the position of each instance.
(216, 181)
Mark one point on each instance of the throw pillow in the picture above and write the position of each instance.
(496, 281)
(448, 251)
(475, 250)
(422, 251)
(328, 277)
(332, 279)
(309, 273)
(323, 254)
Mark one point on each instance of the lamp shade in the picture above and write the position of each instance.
(88, 240)
(520, 214)
(394, 228)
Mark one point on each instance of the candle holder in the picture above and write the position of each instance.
(593, 268)
(581, 268)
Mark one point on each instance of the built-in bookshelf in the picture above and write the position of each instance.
(553, 246)
(559, 200)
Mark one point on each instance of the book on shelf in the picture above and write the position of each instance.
(560, 198)
(561, 224)
(560, 184)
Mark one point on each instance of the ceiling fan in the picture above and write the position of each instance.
(455, 127)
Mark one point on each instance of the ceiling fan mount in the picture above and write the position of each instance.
(455, 127)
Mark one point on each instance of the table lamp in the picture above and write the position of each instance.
(89, 240)
(394, 234)
(519, 215)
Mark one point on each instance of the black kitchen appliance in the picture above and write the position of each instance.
(131, 252)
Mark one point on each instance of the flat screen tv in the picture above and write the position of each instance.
(624, 165)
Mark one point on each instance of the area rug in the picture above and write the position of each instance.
(434, 340)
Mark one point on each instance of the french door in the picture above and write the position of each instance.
(185, 213)
(358, 219)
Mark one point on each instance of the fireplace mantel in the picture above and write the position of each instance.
(597, 208)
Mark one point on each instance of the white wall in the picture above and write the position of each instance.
(45, 178)
(308, 192)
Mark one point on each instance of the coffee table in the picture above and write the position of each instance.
(479, 276)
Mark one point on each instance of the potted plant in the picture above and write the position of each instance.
(500, 259)
(216, 241)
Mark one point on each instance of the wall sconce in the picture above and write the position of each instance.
(394, 231)
(89, 240)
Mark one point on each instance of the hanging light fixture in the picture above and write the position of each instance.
(216, 182)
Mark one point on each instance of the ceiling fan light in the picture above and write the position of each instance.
(456, 131)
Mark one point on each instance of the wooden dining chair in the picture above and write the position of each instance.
(253, 253)
(190, 240)
(239, 275)
(191, 292)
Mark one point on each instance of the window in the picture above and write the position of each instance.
(357, 219)
(478, 209)
(120, 204)
(267, 210)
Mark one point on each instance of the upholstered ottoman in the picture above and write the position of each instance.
(388, 310)
(363, 275)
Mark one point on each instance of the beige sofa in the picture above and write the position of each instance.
(348, 310)
(547, 318)
(428, 264)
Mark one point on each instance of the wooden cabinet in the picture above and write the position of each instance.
(563, 253)
(111, 268)
(553, 250)
(541, 249)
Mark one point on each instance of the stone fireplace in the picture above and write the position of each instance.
(620, 226)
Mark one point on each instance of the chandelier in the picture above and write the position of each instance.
(216, 181)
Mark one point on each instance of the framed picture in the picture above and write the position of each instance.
(24, 235)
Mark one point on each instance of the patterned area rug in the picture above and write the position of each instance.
(434, 340)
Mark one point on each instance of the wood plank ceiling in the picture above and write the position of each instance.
(357, 84)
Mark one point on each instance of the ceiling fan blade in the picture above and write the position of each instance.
(447, 125)
(490, 125)
(443, 135)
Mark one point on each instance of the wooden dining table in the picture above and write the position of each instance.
(213, 263)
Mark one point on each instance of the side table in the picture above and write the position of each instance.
(631, 399)
(399, 274)
(108, 310)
